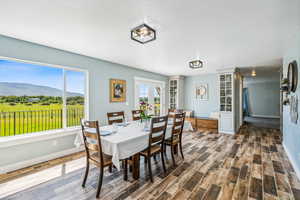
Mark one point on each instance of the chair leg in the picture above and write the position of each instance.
(181, 150)
(125, 170)
(172, 154)
(87, 169)
(110, 168)
(149, 167)
(130, 166)
(163, 160)
(100, 182)
(175, 149)
(165, 151)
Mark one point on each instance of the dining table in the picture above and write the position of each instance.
(127, 140)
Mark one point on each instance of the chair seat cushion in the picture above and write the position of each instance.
(154, 149)
(106, 159)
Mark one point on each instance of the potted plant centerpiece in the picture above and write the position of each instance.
(145, 116)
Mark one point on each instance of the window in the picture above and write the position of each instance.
(74, 97)
(157, 101)
(39, 97)
(143, 93)
(151, 92)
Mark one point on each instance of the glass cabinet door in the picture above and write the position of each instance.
(226, 92)
(173, 94)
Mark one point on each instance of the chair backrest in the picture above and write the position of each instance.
(158, 130)
(115, 117)
(172, 112)
(91, 138)
(178, 124)
(136, 115)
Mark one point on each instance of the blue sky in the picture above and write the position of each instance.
(143, 90)
(11, 71)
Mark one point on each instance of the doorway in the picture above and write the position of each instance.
(261, 96)
(151, 92)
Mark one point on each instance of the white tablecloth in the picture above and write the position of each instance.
(127, 141)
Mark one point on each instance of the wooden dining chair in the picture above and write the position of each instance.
(136, 115)
(173, 111)
(176, 136)
(93, 148)
(115, 117)
(156, 141)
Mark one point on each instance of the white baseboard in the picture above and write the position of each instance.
(266, 116)
(27, 163)
(297, 170)
(227, 132)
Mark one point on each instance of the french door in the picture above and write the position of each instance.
(151, 92)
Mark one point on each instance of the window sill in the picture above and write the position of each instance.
(38, 136)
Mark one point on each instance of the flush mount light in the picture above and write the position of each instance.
(196, 64)
(253, 73)
(143, 34)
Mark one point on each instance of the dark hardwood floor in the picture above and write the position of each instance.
(249, 165)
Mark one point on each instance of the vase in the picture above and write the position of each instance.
(146, 123)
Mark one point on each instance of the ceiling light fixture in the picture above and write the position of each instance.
(196, 64)
(143, 34)
(253, 73)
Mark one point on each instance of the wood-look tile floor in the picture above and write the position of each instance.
(249, 165)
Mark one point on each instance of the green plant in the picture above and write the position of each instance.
(145, 108)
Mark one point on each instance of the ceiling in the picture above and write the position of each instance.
(222, 34)
(263, 74)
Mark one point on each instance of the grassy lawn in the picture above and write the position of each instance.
(21, 119)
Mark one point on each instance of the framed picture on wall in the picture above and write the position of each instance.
(202, 92)
(117, 90)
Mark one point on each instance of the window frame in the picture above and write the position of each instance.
(54, 132)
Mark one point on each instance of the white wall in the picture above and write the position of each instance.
(264, 98)
(202, 108)
(99, 74)
(291, 131)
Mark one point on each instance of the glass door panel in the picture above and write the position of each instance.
(151, 94)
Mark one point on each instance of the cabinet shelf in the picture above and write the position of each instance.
(226, 92)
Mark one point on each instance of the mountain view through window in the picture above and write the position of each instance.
(32, 98)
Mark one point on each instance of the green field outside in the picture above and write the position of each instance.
(21, 118)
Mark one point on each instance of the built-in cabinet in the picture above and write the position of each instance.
(226, 88)
(228, 106)
(176, 98)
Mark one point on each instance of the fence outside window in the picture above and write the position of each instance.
(23, 122)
